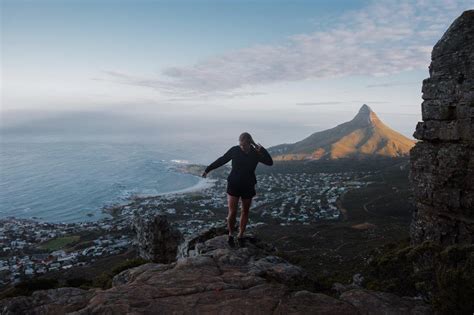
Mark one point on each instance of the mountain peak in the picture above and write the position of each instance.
(365, 116)
(365, 109)
(363, 136)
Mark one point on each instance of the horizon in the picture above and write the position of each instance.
(199, 64)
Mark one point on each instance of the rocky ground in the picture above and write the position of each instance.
(211, 277)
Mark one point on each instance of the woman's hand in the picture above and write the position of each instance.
(256, 146)
(204, 174)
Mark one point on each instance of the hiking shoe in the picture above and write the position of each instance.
(230, 241)
(241, 241)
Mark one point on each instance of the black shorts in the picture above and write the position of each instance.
(243, 190)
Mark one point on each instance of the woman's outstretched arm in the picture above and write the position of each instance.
(220, 161)
(264, 156)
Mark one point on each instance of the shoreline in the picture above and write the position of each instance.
(202, 184)
(182, 166)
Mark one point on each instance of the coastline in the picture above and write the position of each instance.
(194, 169)
(202, 184)
(186, 167)
(178, 166)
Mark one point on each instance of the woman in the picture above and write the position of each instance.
(241, 180)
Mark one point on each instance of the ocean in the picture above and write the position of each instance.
(70, 181)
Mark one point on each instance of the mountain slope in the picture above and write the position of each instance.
(364, 136)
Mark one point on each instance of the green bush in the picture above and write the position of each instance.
(390, 270)
(104, 280)
(79, 283)
(455, 280)
(443, 276)
(27, 287)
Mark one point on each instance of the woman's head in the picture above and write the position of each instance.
(245, 140)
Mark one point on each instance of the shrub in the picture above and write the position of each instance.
(79, 283)
(27, 287)
(104, 280)
(443, 276)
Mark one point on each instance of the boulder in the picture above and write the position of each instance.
(156, 239)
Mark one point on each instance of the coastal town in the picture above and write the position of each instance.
(30, 248)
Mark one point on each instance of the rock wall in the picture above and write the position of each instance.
(442, 163)
(156, 239)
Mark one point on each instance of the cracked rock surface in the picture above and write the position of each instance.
(216, 279)
(442, 162)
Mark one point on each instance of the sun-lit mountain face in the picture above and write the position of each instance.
(362, 137)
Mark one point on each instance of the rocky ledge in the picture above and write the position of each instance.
(213, 278)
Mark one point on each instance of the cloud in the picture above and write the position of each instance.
(339, 103)
(370, 102)
(389, 84)
(318, 103)
(125, 78)
(171, 89)
(384, 38)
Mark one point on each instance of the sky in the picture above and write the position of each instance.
(261, 65)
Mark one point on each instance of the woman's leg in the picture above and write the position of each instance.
(244, 215)
(233, 203)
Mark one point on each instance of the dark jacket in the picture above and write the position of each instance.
(243, 164)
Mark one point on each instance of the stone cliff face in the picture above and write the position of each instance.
(442, 163)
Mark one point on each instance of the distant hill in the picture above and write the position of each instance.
(364, 136)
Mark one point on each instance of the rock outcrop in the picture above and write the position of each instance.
(156, 239)
(212, 279)
(442, 163)
(191, 246)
